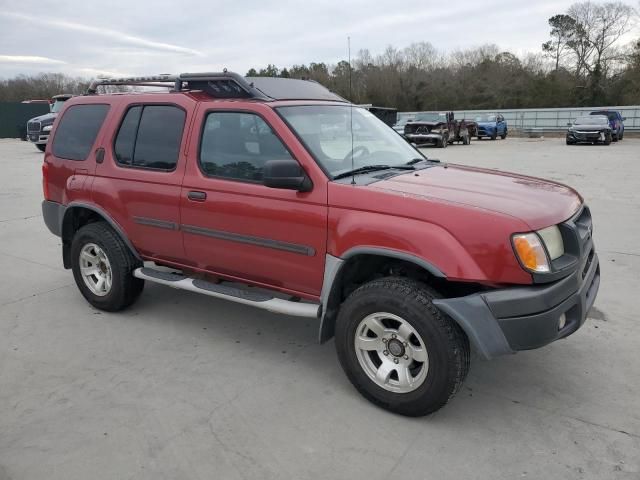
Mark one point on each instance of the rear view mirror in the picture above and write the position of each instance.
(287, 174)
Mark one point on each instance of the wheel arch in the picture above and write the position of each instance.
(78, 214)
(342, 275)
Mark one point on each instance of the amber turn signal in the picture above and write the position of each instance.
(530, 251)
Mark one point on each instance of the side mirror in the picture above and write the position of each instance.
(287, 174)
(624, 119)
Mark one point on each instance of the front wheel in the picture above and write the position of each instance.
(103, 268)
(398, 349)
(504, 135)
(41, 147)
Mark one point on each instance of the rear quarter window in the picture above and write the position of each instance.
(77, 131)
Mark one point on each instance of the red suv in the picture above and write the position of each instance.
(279, 194)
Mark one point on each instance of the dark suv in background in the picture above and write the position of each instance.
(616, 122)
(39, 128)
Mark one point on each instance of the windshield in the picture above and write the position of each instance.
(57, 106)
(610, 115)
(431, 117)
(326, 132)
(593, 120)
(485, 118)
(403, 121)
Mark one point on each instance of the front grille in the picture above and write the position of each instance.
(33, 127)
(588, 263)
(578, 244)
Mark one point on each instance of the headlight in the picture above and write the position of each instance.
(552, 239)
(530, 248)
(47, 128)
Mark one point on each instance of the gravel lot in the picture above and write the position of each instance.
(184, 386)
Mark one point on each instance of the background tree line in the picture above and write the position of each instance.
(584, 63)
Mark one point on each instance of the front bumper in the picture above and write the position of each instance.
(424, 138)
(39, 138)
(504, 321)
(587, 136)
(486, 132)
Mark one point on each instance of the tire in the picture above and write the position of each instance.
(620, 135)
(123, 288)
(444, 142)
(494, 136)
(569, 142)
(40, 147)
(466, 140)
(607, 140)
(435, 381)
(504, 135)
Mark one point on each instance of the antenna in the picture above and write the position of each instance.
(353, 175)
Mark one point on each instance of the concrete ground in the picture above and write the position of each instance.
(183, 386)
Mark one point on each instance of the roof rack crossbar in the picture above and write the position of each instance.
(153, 81)
(220, 84)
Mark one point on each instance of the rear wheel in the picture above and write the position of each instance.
(398, 349)
(41, 147)
(103, 268)
(504, 135)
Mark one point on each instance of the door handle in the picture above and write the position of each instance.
(197, 196)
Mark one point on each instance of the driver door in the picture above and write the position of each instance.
(234, 226)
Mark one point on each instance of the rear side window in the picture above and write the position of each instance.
(77, 131)
(150, 137)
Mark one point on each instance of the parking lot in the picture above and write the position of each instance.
(184, 386)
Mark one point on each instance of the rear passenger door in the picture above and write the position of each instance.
(139, 180)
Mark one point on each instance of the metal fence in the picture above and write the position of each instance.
(549, 119)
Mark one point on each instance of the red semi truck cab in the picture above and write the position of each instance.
(279, 194)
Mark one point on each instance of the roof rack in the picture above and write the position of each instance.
(229, 85)
(219, 84)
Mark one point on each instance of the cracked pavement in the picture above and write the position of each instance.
(190, 387)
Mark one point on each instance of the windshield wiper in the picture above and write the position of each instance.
(423, 159)
(372, 168)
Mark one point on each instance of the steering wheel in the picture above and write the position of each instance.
(359, 151)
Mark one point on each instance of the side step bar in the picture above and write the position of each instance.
(227, 292)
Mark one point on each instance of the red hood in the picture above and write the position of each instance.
(539, 203)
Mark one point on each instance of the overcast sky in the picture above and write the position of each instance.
(87, 38)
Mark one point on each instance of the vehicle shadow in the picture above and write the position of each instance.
(526, 378)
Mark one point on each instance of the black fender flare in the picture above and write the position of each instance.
(65, 224)
(332, 272)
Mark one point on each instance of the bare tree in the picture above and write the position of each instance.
(598, 29)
